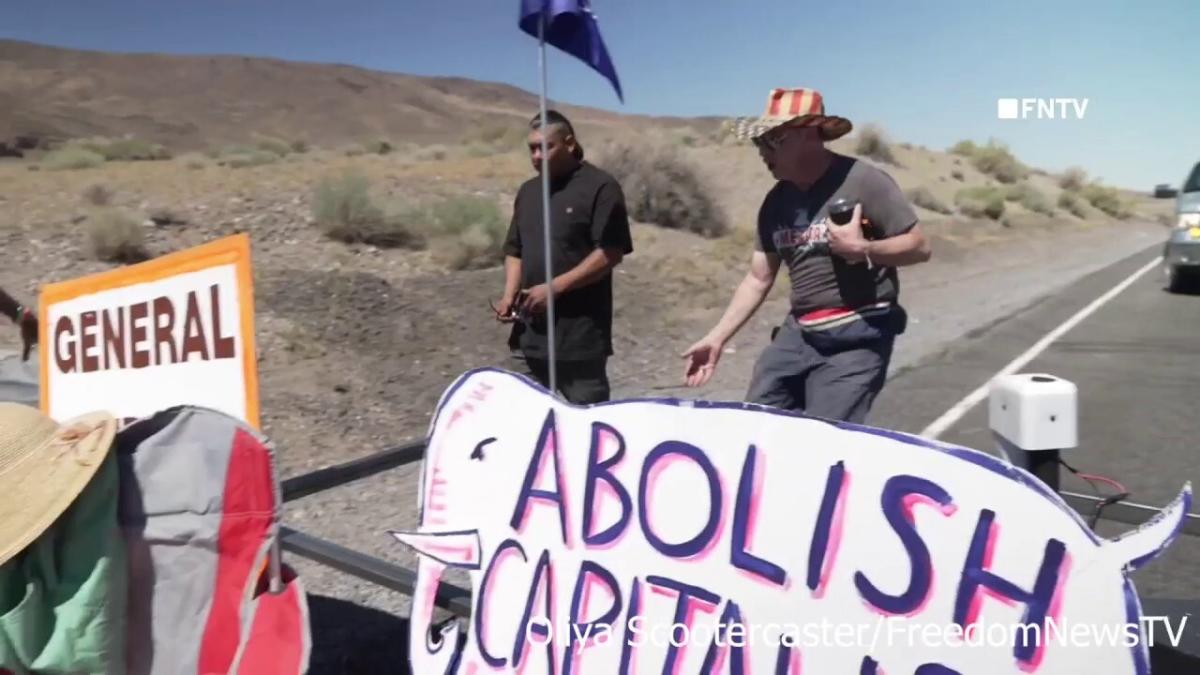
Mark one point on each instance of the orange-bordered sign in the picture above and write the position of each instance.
(174, 330)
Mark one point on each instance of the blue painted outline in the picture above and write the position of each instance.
(1140, 653)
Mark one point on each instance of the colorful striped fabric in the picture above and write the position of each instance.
(825, 319)
(199, 509)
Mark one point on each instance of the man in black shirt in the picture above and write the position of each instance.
(589, 236)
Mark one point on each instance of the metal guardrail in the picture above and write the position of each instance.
(340, 474)
(372, 569)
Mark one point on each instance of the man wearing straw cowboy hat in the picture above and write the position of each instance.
(842, 226)
(62, 561)
(590, 236)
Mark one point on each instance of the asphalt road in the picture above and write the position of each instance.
(1136, 362)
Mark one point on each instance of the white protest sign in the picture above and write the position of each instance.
(680, 537)
(133, 341)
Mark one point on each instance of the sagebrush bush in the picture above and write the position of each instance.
(1029, 197)
(98, 195)
(116, 236)
(431, 153)
(468, 232)
(663, 188)
(981, 201)
(378, 146)
(344, 211)
(1073, 179)
(872, 143)
(249, 159)
(1072, 203)
(964, 148)
(498, 138)
(274, 146)
(995, 160)
(124, 149)
(925, 199)
(72, 157)
(1106, 199)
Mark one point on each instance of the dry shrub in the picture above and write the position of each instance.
(250, 159)
(344, 211)
(925, 199)
(981, 201)
(98, 195)
(495, 139)
(1072, 203)
(378, 146)
(995, 160)
(434, 153)
(872, 143)
(964, 148)
(125, 149)
(1029, 197)
(957, 175)
(662, 187)
(72, 157)
(274, 146)
(1107, 200)
(116, 236)
(479, 150)
(467, 232)
(1073, 179)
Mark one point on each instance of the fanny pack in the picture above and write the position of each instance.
(844, 328)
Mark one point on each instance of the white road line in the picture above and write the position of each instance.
(955, 413)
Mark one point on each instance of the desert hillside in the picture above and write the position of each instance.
(376, 214)
(195, 102)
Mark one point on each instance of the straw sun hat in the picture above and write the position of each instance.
(43, 468)
(799, 107)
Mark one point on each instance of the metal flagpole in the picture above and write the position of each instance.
(546, 205)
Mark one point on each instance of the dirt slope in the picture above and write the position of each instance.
(192, 102)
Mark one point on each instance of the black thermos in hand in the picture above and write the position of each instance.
(841, 211)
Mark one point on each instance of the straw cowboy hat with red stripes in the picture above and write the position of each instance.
(793, 107)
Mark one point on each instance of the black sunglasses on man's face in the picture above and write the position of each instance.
(775, 138)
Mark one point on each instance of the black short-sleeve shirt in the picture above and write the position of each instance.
(587, 209)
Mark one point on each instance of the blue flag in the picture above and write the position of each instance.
(571, 26)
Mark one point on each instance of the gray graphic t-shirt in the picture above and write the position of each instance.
(793, 223)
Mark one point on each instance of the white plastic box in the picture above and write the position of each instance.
(1034, 411)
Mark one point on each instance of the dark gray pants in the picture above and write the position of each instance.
(581, 382)
(791, 374)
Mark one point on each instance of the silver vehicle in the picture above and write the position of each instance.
(1182, 253)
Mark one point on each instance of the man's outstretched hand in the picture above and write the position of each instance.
(702, 360)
